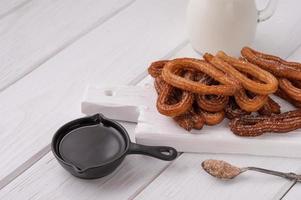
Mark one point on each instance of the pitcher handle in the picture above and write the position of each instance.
(268, 11)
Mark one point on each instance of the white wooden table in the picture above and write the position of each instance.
(51, 50)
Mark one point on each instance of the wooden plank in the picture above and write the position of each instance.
(135, 172)
(294, 192)
(131, 177)
(112, 54)
(184, 179)
(57, 109)
(41, 28)
(36, 184)
(53, 169)
(9, 6)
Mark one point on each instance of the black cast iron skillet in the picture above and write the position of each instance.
(94, 146)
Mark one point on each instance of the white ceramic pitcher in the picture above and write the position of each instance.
(226, 25)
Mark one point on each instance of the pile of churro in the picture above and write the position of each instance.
(198, 92)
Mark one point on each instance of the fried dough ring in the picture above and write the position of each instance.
(172, 109)
(271, 107)
(292, 91)
(198, 121)
(212, 103)
(190, 120)
(282, 94)
(273, 64)
(238, 68)
(213, 118)
(232, 110)
(251, 126)
(155, 69)
(193, 102)
(229, 85)
(296, 83)
(249, 104)
(159, 84)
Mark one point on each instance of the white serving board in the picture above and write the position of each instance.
(137, 104)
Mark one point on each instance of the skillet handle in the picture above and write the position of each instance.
(160, 152)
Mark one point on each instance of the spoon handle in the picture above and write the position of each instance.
(290, 175)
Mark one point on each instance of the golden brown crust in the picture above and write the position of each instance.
(173, 108)
(269, 108)
(250, 104)
(211, 103)
(273, 64)
(213, 118)
(265, 82)
(251, 126)
(282, 94)
(155, 69)
(227, 87)
(232, 110)
(292, 91)
(190, 120)
(196, 92)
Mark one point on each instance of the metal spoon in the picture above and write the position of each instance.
(223, 170)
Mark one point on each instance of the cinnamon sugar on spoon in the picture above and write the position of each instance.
(220, 169)
(223, 170)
